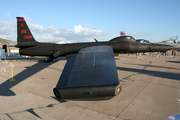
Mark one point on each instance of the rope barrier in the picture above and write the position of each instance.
(4, 69)
(6, 66)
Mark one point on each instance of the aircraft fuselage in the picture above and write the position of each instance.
(57, 50)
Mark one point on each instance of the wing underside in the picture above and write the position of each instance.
(90, 74)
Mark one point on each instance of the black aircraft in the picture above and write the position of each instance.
(90, 72)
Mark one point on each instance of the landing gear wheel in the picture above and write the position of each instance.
(47, 59)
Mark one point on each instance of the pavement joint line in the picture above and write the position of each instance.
(72, 113)
(147, 65)
(54, 111)
(82, 115)
(4, 76)
(132, 100)
(94, 111)
(30, 91)
(87, 112)
(139, 91)
(93, 118)
(28, 111)
(22, 105)
(31, 113)
(165, 85)
(137, 94)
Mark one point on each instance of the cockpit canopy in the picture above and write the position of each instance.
(142, 41)
(123, 39)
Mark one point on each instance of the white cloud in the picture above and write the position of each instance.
(6, 36)
(50, 29)
(8, 30)
(36, 28)
(26, 17)
(80, 34)
(6, 27)
(48, 37)
(8, 15)
(78, 28)
(50, 33)
(141, 34)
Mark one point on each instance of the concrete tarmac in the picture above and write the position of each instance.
(150, 91)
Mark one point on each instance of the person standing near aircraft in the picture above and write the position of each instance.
(175, 53)
(172, 53)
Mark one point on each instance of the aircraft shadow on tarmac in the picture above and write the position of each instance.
(174, 61)
(168, 75)
(156, 66)
(40, 65)
(60, 100)
(31, 110)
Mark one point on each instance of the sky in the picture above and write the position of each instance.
(84, 20)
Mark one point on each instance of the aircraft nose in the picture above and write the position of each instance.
(168, 47)
(171, 47)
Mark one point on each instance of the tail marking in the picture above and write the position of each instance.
(24, 34)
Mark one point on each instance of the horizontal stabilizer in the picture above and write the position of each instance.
(25, 45)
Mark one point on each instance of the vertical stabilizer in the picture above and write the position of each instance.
(24, 35)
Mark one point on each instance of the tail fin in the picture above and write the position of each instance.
(24, 35)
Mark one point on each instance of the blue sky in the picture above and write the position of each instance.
(82, 20)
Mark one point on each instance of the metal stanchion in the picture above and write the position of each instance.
(12, 73)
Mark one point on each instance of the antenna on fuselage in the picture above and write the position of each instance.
(95, 39)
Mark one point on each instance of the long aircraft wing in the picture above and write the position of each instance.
(90, 74)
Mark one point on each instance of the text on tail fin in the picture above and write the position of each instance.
(23, 32)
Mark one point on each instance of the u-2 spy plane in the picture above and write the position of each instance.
(90, 72)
